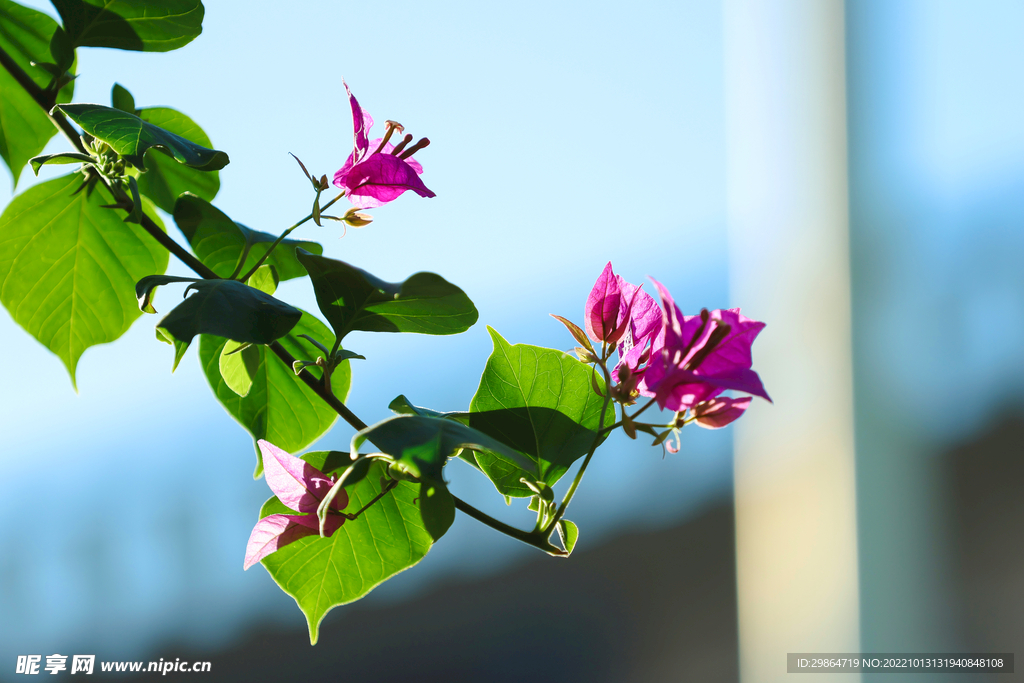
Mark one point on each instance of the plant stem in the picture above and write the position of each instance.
(537, 540)
(586, 461)
(281, 239)
(318, 387)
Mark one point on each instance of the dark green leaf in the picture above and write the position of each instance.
(230, 309)
(352, 299)
(166, 178)
(392, 535)
(144, 25)
(145, 289)
(401, 406)
(540, 402)
(421, 445)
(25, 129)
(59, 158)
(219, 242)
(68, 266)
(121, 99)
(279, 406)
(132, 137)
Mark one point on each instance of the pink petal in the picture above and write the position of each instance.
(361, 124)
(719, 412)
(389, 148)
(602, 309)
(274, 532)
(380, 179)
(645, 317)
(295, 482)
(681, 389)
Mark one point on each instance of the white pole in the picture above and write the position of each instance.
(796, 531)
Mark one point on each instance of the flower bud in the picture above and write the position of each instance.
(356, 218)
(584, 355)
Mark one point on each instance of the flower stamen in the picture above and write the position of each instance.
(389, 128)
(423, 142)
(401, 145)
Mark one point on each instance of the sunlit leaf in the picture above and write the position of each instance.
(68, 267)
(279, 407)
(392, 535)
(540, 402)
(25, 129)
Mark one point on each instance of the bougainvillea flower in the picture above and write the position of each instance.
(696, 358)
(720, 411)
(301, 487)
(620, 312)
(378, 172)
(645, 323)
(601, 314)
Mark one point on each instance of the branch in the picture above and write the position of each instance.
(150, 226)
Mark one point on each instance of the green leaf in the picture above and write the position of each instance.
(166, 178)
(239, 363)
(25, 129)
(540, 402)
(265, 279)
(68, 266)
(352, 299)
(59, 158)
(132, 137)
(401, 406)
(121, 99)
(230, 309)
(143, 25)
(421, 445)
(279, 406)
(219, 242)
(392, 535)
(145, 289)
(568, 534)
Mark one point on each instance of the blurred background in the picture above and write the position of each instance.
(853, 176)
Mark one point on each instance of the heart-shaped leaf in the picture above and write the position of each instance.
(392, 535)
(25, 36)
(165, 178)
(219, 242)
(144, 25)
(68, 266)
(352, 299)
(132, 137)
(229, 309)
(540, 402)
(279, 407)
